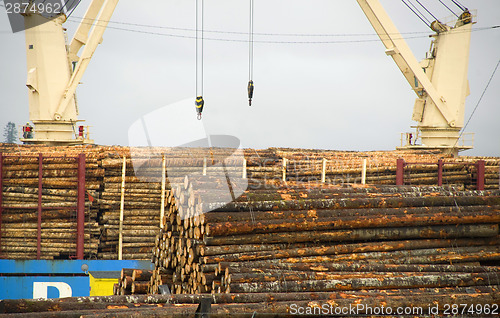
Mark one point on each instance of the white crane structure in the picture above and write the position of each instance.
(440, 80)
(55, 70)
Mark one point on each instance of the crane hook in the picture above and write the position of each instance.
(250, 88)
(199, 106)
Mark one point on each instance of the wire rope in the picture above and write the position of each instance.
(479, 101)
(250, 41)
(196, 49)
(250, 86)
(202, 36)
(419, 14)
(432, 15)
(458, 4)
(242, 33)
(444, 4)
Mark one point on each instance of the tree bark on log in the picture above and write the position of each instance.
(321, 224)
(445, 232)
(424, 281)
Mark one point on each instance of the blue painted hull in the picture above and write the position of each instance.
(27, 279)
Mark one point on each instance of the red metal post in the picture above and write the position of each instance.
(1, 198)
(39, 229)
(440, 172)
(80, 208)
(480, 167)
(400, 166)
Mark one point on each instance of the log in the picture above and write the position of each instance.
(141, 275)
(348, 203)
(218, 217)
(320, 224)
(277, 251)
(139, 287)
(74, 303)
(397, 233)
(359, 267)
(426, 281)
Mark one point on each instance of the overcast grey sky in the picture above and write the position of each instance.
(343, 95)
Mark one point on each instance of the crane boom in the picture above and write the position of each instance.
(440, 81)
(397, 48)
(99, 12)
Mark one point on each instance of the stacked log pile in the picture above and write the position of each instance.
(141, 213)
(417, 303)
(330, 239)
(133, 282)
(59, 196)
(281, 246)
(143, 192)
(142, 197)
(346, 167)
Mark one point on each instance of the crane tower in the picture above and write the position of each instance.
(55, 70)
(439, 81)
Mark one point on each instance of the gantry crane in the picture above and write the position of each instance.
(440, 80)
(55, 70)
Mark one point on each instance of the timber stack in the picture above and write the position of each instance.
(140, 208)
(346, 167)
(139, 175)
(23, 206)
(421, 302)
(142, 196)
(305, 240)
(133, 282)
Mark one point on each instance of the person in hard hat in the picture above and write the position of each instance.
(27, 131)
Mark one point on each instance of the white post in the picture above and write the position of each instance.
(244, 172)
(323, 171)
(204, 166)
(363, 172)
(122, 204)
(284, 169)
(163, 176)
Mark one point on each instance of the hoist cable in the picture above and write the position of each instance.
(463, 8)
(196, 49)
(448, 8)
(419, 14)
(199, 47)
(202, 35)
(479, 101)
(432, 15)
(199, 102)
(73, 9)
(250, 86)
(250, 40)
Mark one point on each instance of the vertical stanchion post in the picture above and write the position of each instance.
(480, 167)
(163, 177)
(1, 197)
(440, 172)
(122, 205)
(400, 166)
(363, 172)
(39, 226)
(323, 171)
(205, 166)
(284, 169)
(244, 171)
(80, 208)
